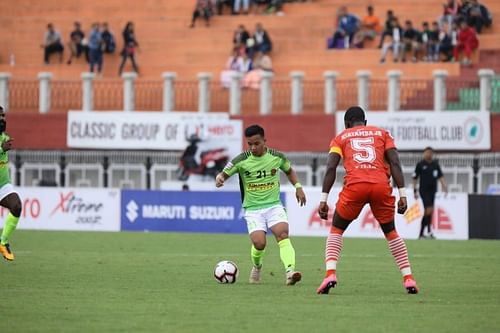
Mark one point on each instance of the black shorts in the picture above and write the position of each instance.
(428, 198)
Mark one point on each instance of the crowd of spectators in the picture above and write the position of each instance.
(451, 37)
(207, 8)
(250, 57)
(99, 41)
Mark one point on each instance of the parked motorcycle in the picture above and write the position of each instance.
(212, 161)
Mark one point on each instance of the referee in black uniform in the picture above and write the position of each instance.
(429, 172)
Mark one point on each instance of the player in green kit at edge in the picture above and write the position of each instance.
(258, 169)
(8, 197)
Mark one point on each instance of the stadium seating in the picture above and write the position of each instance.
(169, 45)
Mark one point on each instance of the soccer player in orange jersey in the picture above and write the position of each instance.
(370, 158)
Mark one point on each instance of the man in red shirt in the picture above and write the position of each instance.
(370, 158)
(467, 42)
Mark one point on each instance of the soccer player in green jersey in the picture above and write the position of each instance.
(258, 169)
(8, 197)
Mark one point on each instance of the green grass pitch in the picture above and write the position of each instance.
(162, 282)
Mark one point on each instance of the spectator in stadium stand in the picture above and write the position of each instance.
(240, 37)
(388, 28)
(238, 62)
(450, 11)
(262, 40)
(52, 44)
(275, 6)
(433, 43)
(262, 63)
(109, 42)
(429, 41)
(478, 15)
(396, 44)
(219, 4)
(424, 40)
(411, 43)
(258, 3)
(466, 42)
(95, 46)
(370, 27)
(203, 9)
(247, 62)
(77, 43)
(130, 46)
(448, 40)
(427, 172)
(238, 4)
(347, 26)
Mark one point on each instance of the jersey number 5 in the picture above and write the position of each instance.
(365, 153)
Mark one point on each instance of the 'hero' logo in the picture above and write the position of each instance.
(441, 220)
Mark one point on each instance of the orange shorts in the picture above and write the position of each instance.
(355, 196)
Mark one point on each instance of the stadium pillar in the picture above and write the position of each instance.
(169, 91)
(44, 96)
(87, 91)
(485, 78)
(266, 93)
(297, 92)
(393, 97)
(129, 91)
(330, 91)
(440, 89)
(204, 92)
(4, 90)
(235, 94)
(364, 88)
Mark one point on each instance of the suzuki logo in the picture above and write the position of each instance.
(132, 209)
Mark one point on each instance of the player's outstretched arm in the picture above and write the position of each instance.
(220, 179)
(299, 192)
(397, 174)
(328, 181)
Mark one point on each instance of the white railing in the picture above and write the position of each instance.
(330, 79)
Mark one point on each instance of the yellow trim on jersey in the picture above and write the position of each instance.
(336, 150)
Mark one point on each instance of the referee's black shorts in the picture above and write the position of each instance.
(428, 198)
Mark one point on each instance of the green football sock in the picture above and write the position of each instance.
(257, 256)
(287, 254)
(9, 227)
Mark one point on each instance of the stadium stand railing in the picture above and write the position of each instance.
(462, 94)
(472, 173)
(109, 94)
(495, 94)
(416, 94)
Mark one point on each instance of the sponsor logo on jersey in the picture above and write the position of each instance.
(261, 187)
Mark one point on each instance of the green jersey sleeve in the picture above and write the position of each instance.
(285, 162)
(232, 167)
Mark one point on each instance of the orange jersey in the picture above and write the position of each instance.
(363, 150)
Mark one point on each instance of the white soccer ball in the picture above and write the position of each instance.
(226, 272)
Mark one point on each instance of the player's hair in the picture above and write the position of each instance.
(254, 130)
(1, 108)
(354, 113)
(428, 148)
